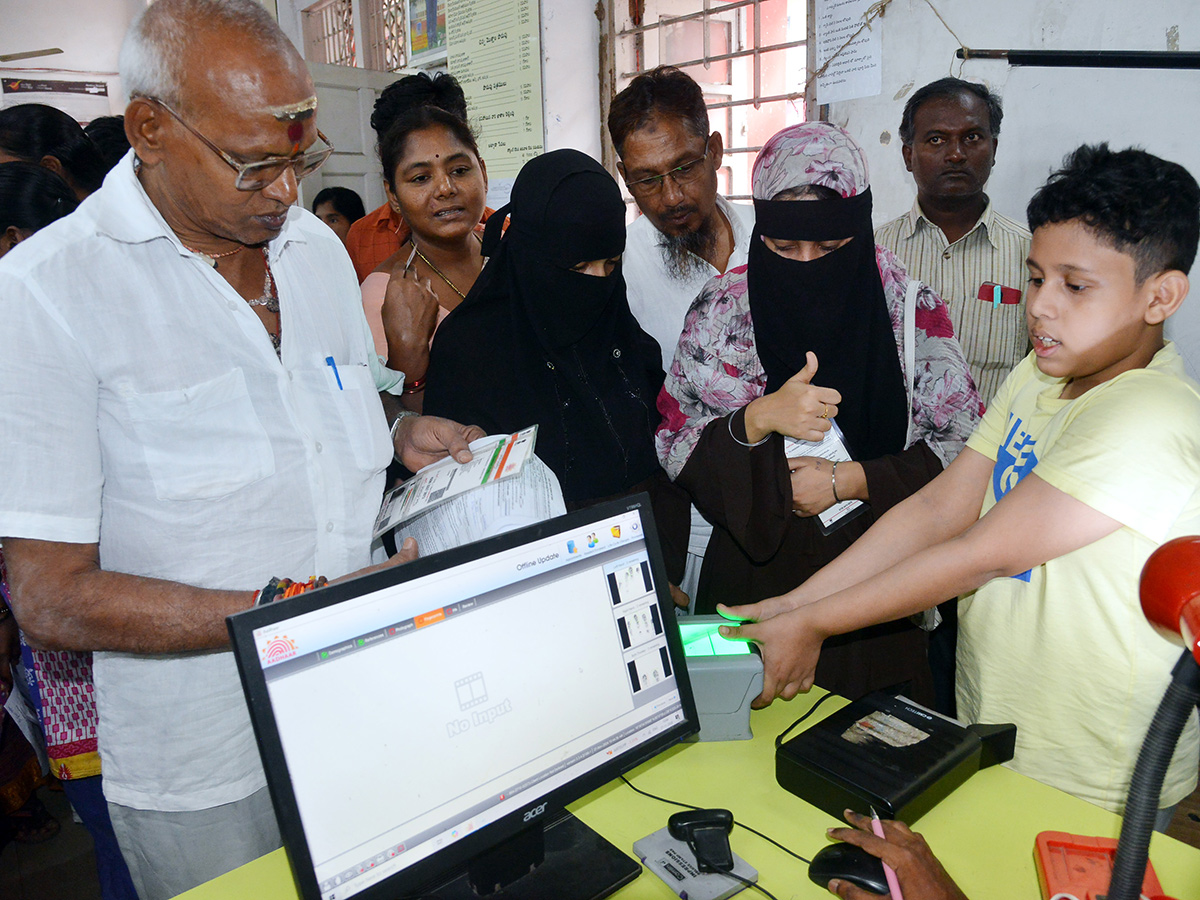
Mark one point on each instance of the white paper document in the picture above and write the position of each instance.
(527, 498)
(494, 458)
(833, 448)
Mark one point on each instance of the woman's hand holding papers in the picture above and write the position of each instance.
(812, 485)
(814, 480)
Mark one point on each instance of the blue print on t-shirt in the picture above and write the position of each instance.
(1014, 460)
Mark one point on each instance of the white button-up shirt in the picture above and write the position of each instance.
(143, 407)
(660, 301)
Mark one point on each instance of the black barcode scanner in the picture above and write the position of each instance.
(706, 832)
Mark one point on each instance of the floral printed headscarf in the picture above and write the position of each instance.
(832, 305)
(810, 153)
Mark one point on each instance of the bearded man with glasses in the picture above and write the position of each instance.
(687, 233)
(191, 390)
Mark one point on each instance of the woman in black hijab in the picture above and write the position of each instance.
(821, 327)
(545, 336)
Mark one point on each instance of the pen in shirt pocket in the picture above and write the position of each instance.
(329, 362)
(995, 294)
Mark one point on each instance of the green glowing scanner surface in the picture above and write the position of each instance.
(702, 639)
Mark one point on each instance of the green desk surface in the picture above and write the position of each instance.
(983, 832)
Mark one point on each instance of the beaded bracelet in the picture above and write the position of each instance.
(283, 588)
(414, 386)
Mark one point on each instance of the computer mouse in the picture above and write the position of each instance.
(848, 863)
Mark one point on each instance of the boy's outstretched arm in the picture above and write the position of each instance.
(1033, 523)
(944, 508)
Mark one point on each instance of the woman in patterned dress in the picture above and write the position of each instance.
(820, 326)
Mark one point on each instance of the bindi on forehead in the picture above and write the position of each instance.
(296, 114)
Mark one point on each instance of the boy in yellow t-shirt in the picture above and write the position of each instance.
(1087, 459)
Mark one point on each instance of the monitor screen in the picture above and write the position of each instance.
(412, 718)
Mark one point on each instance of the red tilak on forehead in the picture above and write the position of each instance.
(295, 132)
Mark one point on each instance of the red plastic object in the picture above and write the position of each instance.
(1170, 590)
(1081, 866)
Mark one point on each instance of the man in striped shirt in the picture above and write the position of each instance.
(952, 239)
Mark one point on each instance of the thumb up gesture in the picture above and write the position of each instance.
(799, 409)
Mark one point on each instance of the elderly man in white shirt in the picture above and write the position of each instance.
(189, 401)
(687, 233)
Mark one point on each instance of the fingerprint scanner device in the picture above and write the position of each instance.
(887, 752)
(1073, 865)
(673, 861)
(484, 688)
(726, 675)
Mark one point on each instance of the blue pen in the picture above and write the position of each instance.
(329, 362)
(996, 296)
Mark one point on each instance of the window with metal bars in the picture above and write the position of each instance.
(330, 38)
(329, 32)
(750, 57)
(385, 39)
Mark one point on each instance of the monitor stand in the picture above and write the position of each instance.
(563, 860)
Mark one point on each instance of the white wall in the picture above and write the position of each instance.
(88, 31)
(1047, 112)
(570, 75)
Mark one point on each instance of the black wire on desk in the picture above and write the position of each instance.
(735, 876)
(769, 840)
(743, 825)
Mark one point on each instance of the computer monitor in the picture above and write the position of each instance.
(429, 718)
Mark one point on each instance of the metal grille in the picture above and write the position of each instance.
(385, 46)
(750, 57)
(329, 32)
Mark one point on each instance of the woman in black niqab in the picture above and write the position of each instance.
(536, 341)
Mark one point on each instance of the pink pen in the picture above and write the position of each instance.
(888, 872)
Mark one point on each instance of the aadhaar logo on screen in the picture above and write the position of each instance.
(277, 649)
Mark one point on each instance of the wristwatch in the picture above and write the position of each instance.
(404, 414)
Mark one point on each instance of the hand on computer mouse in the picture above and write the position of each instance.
(920, 874)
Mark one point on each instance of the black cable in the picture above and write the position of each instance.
(734, 875)
(769, 840)
(754, 831)
(812, 709)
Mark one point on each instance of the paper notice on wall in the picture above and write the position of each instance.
(496, 55)
(855, 69)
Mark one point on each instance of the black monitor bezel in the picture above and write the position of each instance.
(454, 858)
